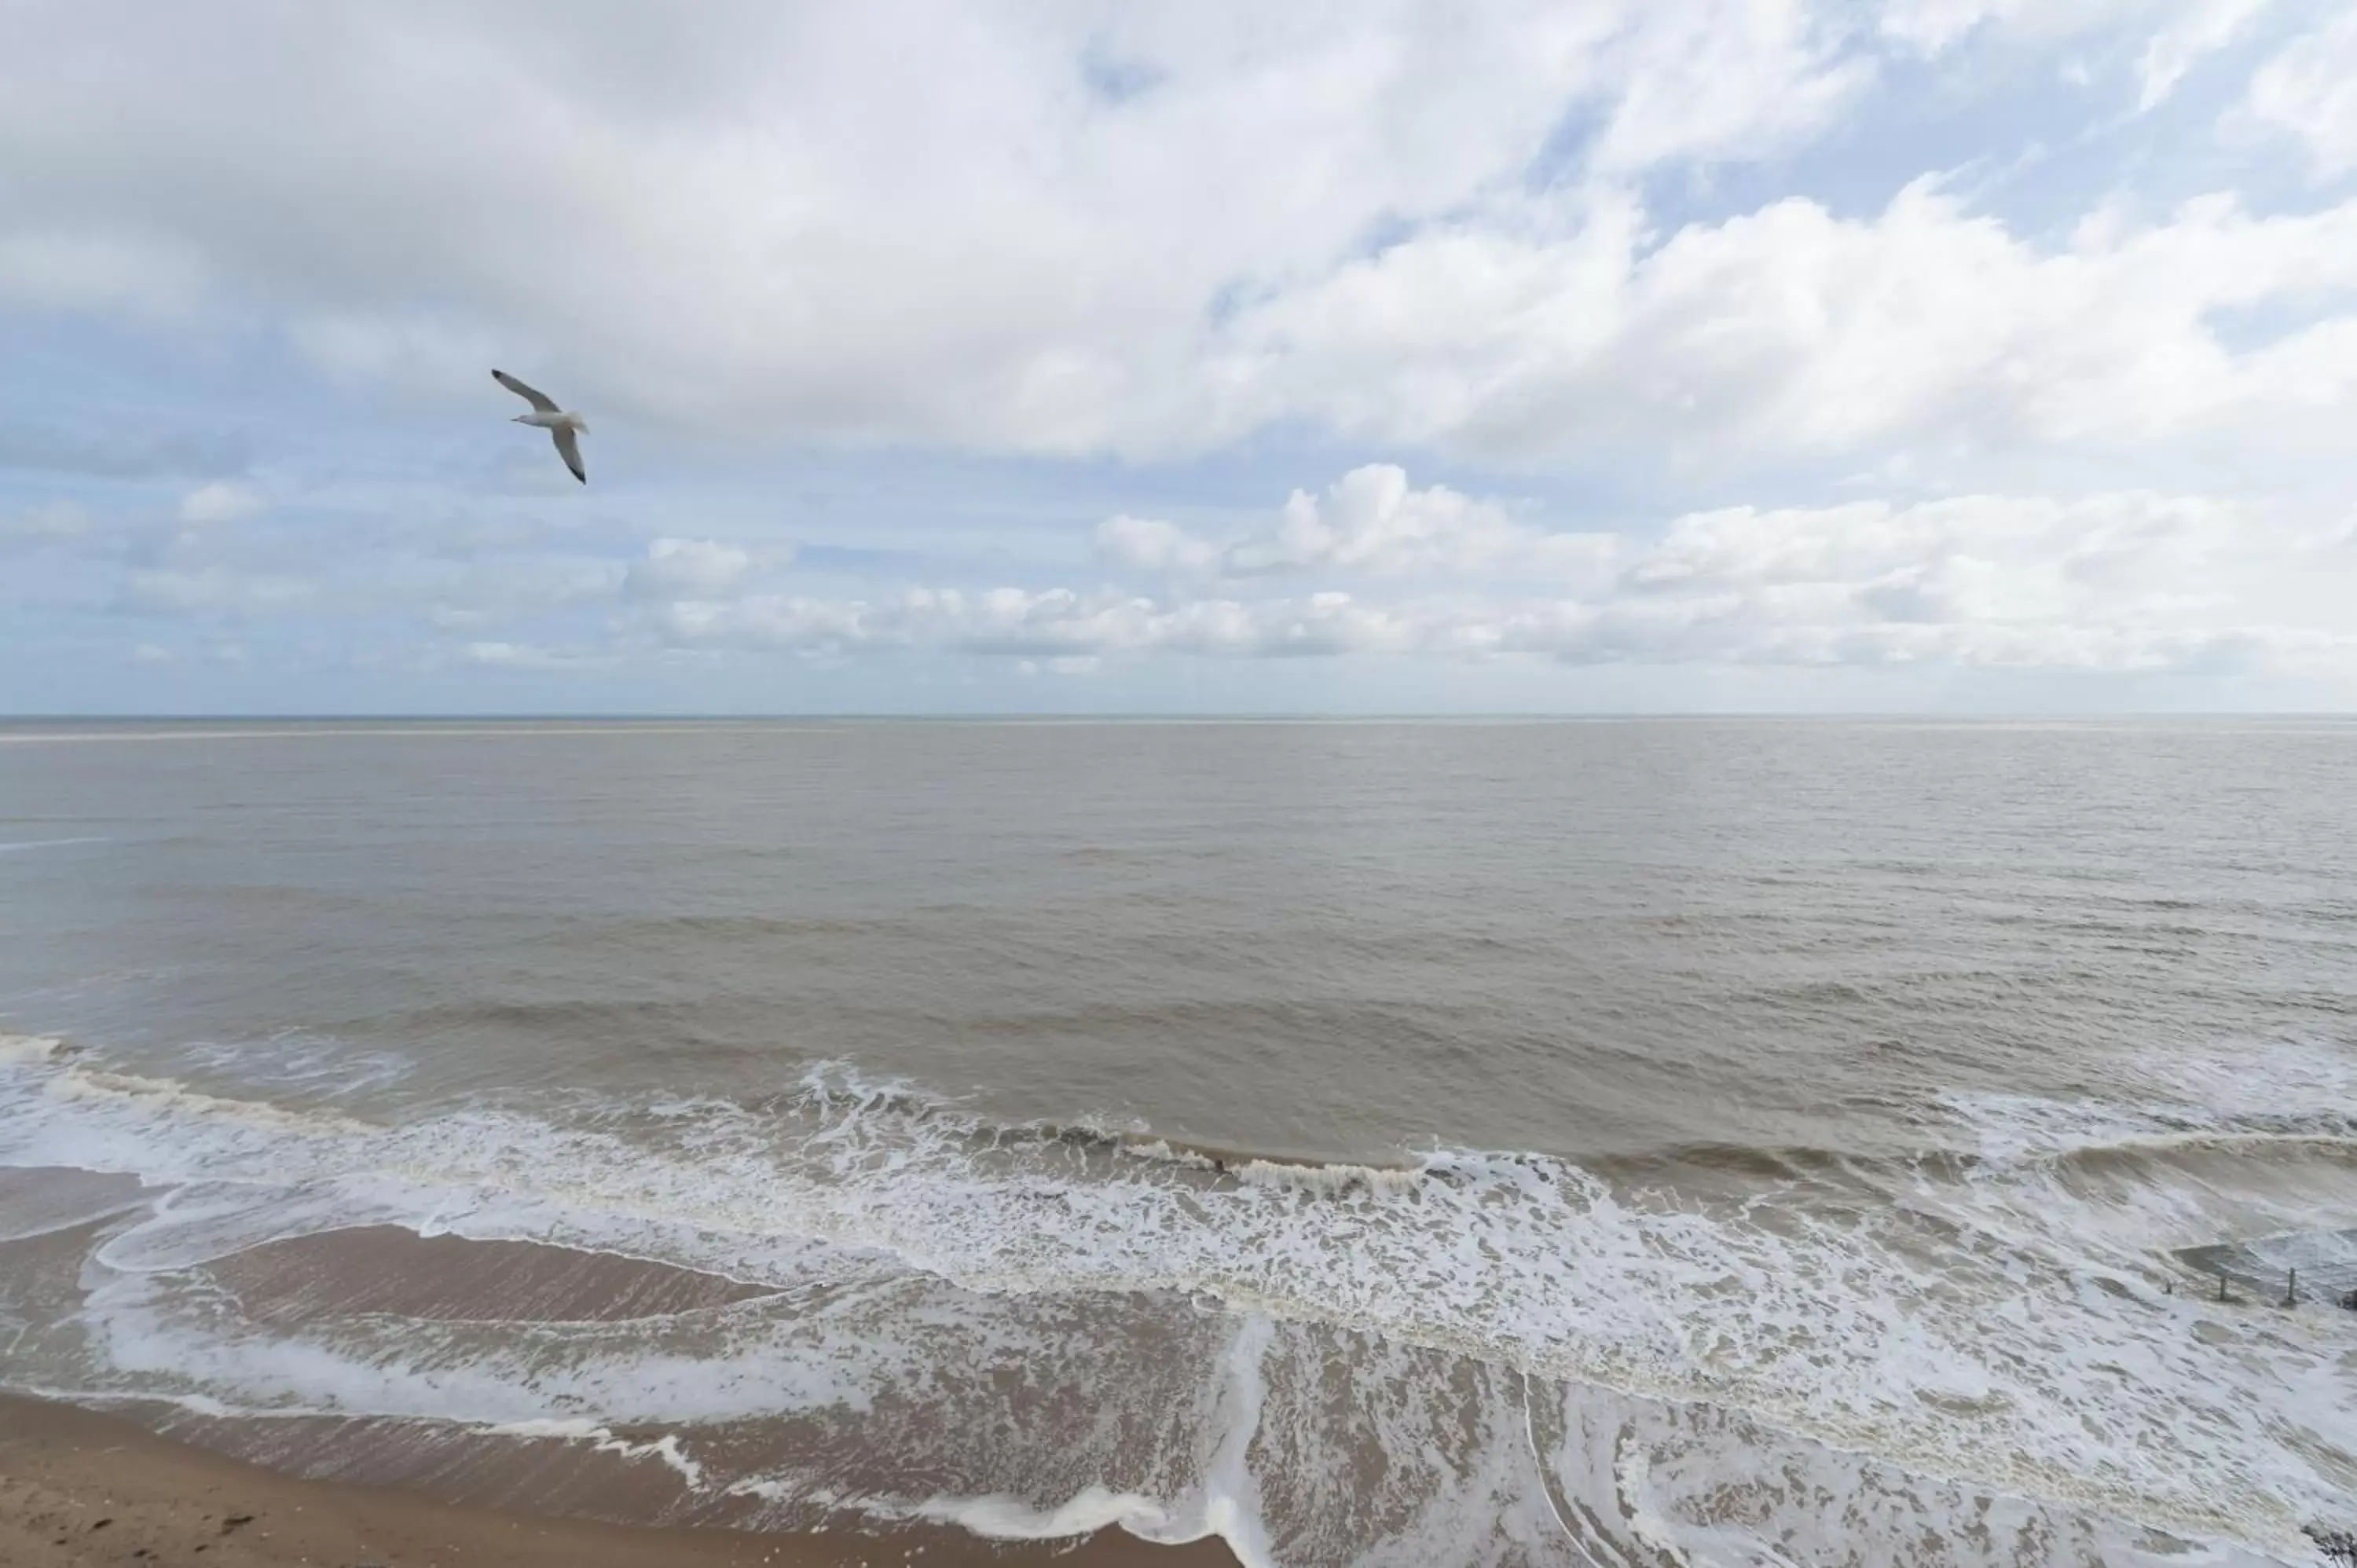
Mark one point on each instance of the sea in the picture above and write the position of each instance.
(1634, 1141)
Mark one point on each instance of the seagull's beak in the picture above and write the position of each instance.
(517, 420)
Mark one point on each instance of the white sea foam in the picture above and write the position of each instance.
(601, 1440)
(170, 1097)
(18, 1049)
(1331, 1179)
(2266, 1086)
(295, 1062)
(1632, 1474)
(1997, 1336)
(1005, 1518)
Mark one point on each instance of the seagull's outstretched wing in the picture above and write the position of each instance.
(570, 450)
(539, 400)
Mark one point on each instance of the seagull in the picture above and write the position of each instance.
(546, 416)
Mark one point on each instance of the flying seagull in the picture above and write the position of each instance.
(546, 416)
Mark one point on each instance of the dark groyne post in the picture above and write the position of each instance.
(2291, 1289)
(2338, 1545)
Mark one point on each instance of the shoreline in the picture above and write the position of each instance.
(81, 1487)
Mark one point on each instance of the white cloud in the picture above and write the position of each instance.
(2200, 28)
(790, 622)
(223, 500)
(2126, 580)
(1088, 665)
(730, 225)
(1959, 624)
(2175, 33)
(1736, 81)
(2309, 91)
(2100, 542)
(1679, 257)
(1932, 25)
(749, 234)
(1792, 331)
(2117, 582)
(1146, 544)
(1048, 623)
(689, 569)
(1370, 521)
(2110, 582)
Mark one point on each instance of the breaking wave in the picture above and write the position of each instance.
(1539, 1350)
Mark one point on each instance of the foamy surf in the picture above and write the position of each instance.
(169, 1098)
(19, 1050)
(1532, 1347)
(600, 1440)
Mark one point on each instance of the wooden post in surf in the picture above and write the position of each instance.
(2291, 1289)
(2222, 1286)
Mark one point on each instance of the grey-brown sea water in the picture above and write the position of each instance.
(1517, 1142)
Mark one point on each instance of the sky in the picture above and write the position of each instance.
(965, 357)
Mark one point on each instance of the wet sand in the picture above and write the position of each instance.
(81, 1489)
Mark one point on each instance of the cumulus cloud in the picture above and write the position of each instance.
(748, 231)
(2119, 582)
(1853, 624)
(1373, 565)
(1370, 521)
(2113, 581)
(1050, 623)
(1841, 408)
(1792, 329)
(2102, 542)
(726, 225)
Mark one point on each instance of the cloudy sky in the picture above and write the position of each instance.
(1593, 355)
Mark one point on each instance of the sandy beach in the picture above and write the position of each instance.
(81, 1488)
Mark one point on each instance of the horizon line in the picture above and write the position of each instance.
(1139, 716)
